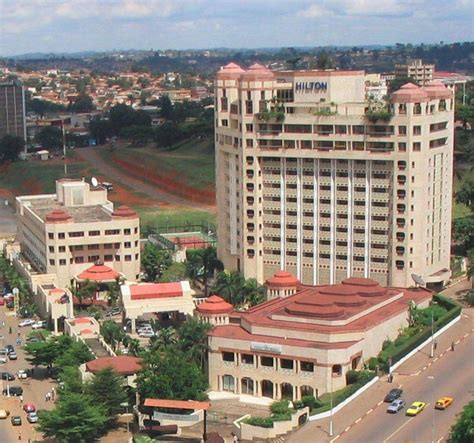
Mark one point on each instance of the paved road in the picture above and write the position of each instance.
(107, 169)
(34, 389)
(7, 220)
(364, 420)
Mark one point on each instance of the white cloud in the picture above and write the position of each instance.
(314, 11)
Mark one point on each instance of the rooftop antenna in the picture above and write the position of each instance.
(94, 182)
(418, 279)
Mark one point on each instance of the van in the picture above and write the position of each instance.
(108, 186)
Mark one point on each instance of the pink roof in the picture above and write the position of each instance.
(437, 90)
(258, 72)
(87, 331)
(122, 364)
(411, 93)
(99, 273)
(58, 216)
(446, 74)
(56, 291)
(283, 279)
(82, 320)
(124, 212)
(214, 305)
(155, 290)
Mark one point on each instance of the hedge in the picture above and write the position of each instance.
(404, 344)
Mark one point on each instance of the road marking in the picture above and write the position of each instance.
(399, 429)
(380, 402)
(358, 420)
(440, 440)
(457, 342)
(369, 411)
(345, 430)
(436, 359)
(334, 439)
(465, 335)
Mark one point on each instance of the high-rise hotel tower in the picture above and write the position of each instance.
(316, 178)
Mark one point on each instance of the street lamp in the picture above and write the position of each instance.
(432, 329)
(431, 377)
(330, 419)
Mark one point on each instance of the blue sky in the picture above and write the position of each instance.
(78, 25)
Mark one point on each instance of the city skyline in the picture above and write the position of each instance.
(39, 26)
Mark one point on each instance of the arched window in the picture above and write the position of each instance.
(228, 383)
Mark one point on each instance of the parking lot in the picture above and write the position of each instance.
(34, 388)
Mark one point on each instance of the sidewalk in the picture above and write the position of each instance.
(373, 397)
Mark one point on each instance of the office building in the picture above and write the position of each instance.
(314, 179)
(416, 69)
(12, 109)
(63, 234)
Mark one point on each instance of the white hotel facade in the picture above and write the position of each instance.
(309, 183)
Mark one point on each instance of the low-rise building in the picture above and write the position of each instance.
(66, 232)
(304, 341)
(125, 365)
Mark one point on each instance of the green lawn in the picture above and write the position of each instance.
(22, 176)
(173, 217)
(192, 161)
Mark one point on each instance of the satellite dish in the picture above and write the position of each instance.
(418, 279)
(94, 182)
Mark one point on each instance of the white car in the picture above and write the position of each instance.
(39, 324)
(32, 417)
(26, 322)
(146, 333)
(22, 374)
(3, 359)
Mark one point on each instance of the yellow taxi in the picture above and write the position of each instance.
(4, 414)
(443, 402)
(415, 408)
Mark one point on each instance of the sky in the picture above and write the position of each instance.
(100, 25)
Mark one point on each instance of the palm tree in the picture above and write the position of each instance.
(193, 340)
(113, 291)
(202, 264)
(230, 286)
(165, 339)
(254, 294)
(112, 333)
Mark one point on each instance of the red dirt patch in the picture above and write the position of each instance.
(167, 182)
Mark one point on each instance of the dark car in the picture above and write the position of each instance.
(393, 395)
(10, 348)
(10, 304)
(15, 391)
(7, 376)
(30, 340)
(53, 373)
(16, 420)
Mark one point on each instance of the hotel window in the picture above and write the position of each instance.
(78, 259)
(112, 232)
(51, 236)
(117, 258)
(108, 245)
(76, 234)
(51, 249)
(128, 258)
(307, 366)
(228, 356)
(249, 127)
(92, 247)
(51, 262)
(248, 107)
(286, 363)
(402, 147)
(62, 249)
(249, 143)
(416, 130)
(247, 359)
(108, 257)
(416, 146)
(116, 245)
(247, 386)
(336, 370)
(93, 258)
(224, 104)
(224, 122)
(94, 233)
(135, 230)
(62, 262)
(61, 235)
(136, 243)
(127, 244)
(228, 383)
(266, 361)
(127, 231)
(402, 130)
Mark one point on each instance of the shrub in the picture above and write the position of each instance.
(280, 417)
(298, 404)
(263, 422)
(387, 342)
(352, 377)
(280, 407)
(373, 363)
(310, 401)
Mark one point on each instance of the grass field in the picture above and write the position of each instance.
(162, 217)
(192, 161)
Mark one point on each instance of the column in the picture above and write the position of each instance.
(134, 325)
(276, 391)
(297, 366)
(55, 322)
(258, 388)
(237, 387)
(295, 392)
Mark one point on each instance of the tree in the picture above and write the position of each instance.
(76, 354)
(121, 116)
(176, 272)
(465, 192)
(464, 231)
(10, 147)
(166, 107)
(138, 135)
(254, 294)
(82, 103)
(171, 375)
(112, 332)
(72, 380)
(165, 339)
(106, 389)
(50, 137)
(323, 61)
(100, 129)
(113, 291)
(202, 264)
(230, 286)
(463, 430)
(464, 113)
(85, 291)
(41, 354)
(133, 345)
(398, 82)
(193, 340)
(155, 261)
(75, 419)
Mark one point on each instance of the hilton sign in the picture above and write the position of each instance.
(311, 86)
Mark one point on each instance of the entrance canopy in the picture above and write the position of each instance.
(177, 404)
(98, 273)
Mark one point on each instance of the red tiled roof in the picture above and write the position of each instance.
(177, 404)
(122, 364)
(124, 212)
(437, 90)
(155, 290)
(82, 320)
(87, 331)
(409, 93)
(58, 216)
(98, 273)
(283, 279)
(214, 305)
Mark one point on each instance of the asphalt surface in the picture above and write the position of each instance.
(7, 220)
(34, 389)
(453, 376)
